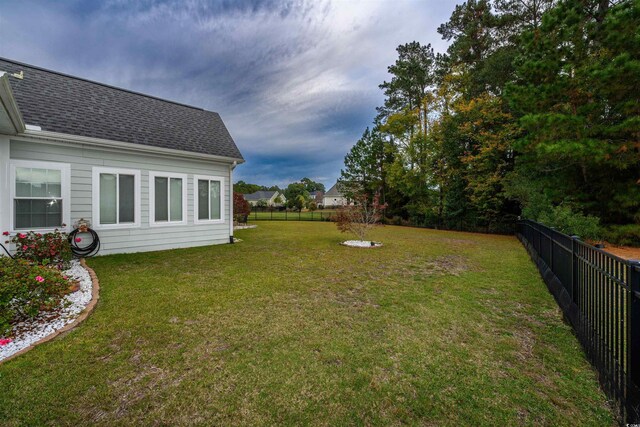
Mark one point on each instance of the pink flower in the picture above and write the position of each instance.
(39, 279)
(24, 247)
(4, 341)
(22, 235)
(65, 277)
(78, 239)
(6, 233)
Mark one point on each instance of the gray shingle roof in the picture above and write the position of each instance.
(61, 103)
(259, 195)
(334, 191)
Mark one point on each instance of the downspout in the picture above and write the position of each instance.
(231, 168)
(5, 201)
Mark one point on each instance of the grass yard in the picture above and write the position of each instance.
(289, 328)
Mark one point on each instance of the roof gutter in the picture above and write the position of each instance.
(8, 102)
(53, 137)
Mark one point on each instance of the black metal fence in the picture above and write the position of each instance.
(599, 294)
(275, 214)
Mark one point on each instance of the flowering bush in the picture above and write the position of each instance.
(44, 249)
(27, 289)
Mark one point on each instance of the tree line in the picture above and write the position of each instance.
(297, 194)
(533, 111)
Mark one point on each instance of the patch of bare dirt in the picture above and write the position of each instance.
(443, 265)
(625, 252)
(526, 341)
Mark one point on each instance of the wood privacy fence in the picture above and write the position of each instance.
(599, 294)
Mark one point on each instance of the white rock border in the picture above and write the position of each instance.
(76, 307)
(244, 227)
(361, 244)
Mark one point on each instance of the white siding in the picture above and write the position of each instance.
(334, 201)
(143, 238)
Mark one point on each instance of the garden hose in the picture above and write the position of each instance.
(86, 251)
(7, 251)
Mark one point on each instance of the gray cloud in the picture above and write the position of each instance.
(295, 81)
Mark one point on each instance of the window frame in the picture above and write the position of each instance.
(152, 198)
(95, 197)
(65, 192)
(221, 179)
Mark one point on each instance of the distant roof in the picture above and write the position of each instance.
(334, 191)
(259, 195)
(61, 103)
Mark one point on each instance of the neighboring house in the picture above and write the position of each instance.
(269, 197)
(148, 174)
(316, 196)
(334, 197)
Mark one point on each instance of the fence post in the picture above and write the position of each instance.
(574, 267)
(634, 340)
(552, 239)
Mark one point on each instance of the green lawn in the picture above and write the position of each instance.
(289, 328)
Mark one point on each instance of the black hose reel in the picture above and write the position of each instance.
(87, 250)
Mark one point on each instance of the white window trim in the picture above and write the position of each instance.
(65, 192)
(152, 198)
(95, 197)
(195, 199)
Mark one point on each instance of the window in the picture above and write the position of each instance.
(167, 198)
(209, 198)
(40, 195)
(116, 198)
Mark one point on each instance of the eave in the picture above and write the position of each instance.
(11, 122)
(110, 145)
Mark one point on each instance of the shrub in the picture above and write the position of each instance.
(241, 208)
(27, 289)
(571, 222)
(359, 218)
(624, 235)
(44, 249)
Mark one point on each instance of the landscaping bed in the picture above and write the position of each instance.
(291, 328)
(46, 323)
(361, 244)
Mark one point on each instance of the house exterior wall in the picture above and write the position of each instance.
(271, 201)
(334, 201)
(83, 158)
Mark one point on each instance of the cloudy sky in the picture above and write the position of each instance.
(296, 82)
